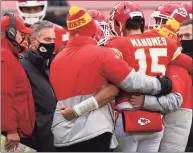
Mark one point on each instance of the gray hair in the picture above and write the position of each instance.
(187, 22)
(38, 26)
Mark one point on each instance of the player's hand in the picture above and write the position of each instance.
(137, 101)
(68, 112)
(12, 142)
(166, 86)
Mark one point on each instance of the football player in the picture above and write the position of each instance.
(33, 11)
(98, 16)
(166, 19)
(178, 12)
(81, 52)
(101, 20)
(188, 7)
(149, 53)
(186, 37)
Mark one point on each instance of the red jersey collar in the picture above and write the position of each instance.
(80, 40)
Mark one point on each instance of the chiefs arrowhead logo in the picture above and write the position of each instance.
(143, 121)
(117, 53)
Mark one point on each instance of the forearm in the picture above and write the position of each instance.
(106, 94)
(100, 99)
(139, 82)
(164, 104)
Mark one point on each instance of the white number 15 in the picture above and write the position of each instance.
(155, 53)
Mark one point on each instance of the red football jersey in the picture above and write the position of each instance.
(148, 53)
(61, 38)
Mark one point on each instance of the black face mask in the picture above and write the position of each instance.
(46, 50)
(187, 46)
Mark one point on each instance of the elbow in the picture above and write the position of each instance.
(178, 102)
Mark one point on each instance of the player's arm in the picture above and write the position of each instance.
(117, 71)
(164, 104)
(101, 98)
(106, 94)
(172, 101)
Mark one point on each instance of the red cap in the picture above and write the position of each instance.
(20, 26)
(80, 22)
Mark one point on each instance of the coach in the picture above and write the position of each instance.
(35, 63)
(186, 38)
(18, 114)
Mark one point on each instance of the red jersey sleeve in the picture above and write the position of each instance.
(113, 68)
(118, 44)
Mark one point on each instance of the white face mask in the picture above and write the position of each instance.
(31, 20)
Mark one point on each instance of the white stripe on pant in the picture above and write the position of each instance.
(136, 142)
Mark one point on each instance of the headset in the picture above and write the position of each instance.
(11, 29)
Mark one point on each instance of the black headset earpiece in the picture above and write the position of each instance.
(11, 29)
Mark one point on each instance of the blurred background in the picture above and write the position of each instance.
(58, 9)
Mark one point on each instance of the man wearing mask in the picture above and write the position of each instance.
(18, 113)
(186, 39)
(33, 11)
(35, 63)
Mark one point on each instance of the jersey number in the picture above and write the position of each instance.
(155, 53)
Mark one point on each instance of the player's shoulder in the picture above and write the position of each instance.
(116, 39)
(177, 71)
(98, 50)
(151, 33)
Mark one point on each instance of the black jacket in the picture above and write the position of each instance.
(43, 94)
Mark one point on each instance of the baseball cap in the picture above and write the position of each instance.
(80, 23)
(20, 26)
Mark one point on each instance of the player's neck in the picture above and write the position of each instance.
(133, 32)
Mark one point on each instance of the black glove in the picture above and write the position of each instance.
(166, 85)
